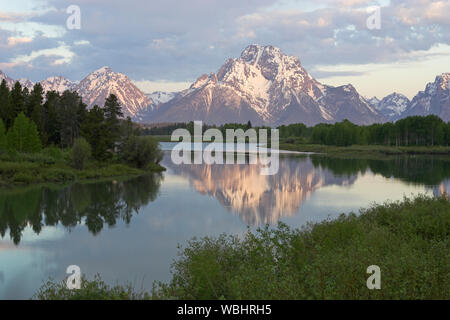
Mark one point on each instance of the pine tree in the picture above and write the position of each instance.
(17, 100)
(50, 118)
(6, 112)
(2, 137)
(94, 131)
(34, 108)
(113, 113)
(23, 136)
(70, 113)
(32, 140)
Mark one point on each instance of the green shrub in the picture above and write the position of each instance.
(409, 240)
(23, 177)
(328, 260)
(58, 175)
(80, 154)
(53, 152)
(140, 151)
(96, 289)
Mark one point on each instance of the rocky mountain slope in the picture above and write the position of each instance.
(434, 100)
(9, 81)
(392, 106)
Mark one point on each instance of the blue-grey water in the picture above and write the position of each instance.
(128, 230)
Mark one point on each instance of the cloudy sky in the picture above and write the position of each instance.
(166, 44)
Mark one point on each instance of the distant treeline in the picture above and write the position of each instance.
(412, 131)
(167, 130)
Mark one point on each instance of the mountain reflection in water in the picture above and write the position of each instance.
(241, 189)
(256, 198)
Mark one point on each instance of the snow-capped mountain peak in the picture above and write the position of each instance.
(393, 105)
(95, 88)
(98, 85)
(434, 100)
(58, 84)
(265, 86)
(25, 83)
(9, 81)
(159, 97)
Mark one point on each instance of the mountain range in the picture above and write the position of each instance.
(263, 85)
(95, 88)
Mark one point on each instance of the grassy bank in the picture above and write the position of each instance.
(22, 169)
(355, 151)
(163, 138)
(366, 151)
(408, 240)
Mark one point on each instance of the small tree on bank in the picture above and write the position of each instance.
(140, 151)
(23, 136)
(80, 154)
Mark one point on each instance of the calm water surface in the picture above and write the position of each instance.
(128, 230)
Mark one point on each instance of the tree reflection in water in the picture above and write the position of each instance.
(94, 204)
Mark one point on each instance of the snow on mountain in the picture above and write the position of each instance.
(58, 84)
(97, 86)
(263, 85)
(392, 106)
(26, 83)
(268, 87)
(374, 101)
(9, 82)
(159, 97)
(434, 100)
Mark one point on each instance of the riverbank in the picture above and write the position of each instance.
(22, 173)
(355, 151)
(407, 240)
(366, 151)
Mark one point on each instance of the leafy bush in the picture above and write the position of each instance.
(140, 151)
(90, 290)
(409, 240)
(23, 177)
(80, 154)
(53, 152)
(58, 175)
(328, 260)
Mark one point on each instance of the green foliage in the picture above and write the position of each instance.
(6, 111)
(17, 100)
(96, 289)
(140, 151)
(23, 136)
(409, 240)
(70, 114)
(80, 154)
(94, 129)
(411, 131)
(328, 260)
(113, 113)
(54, 152)
(3, 142)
